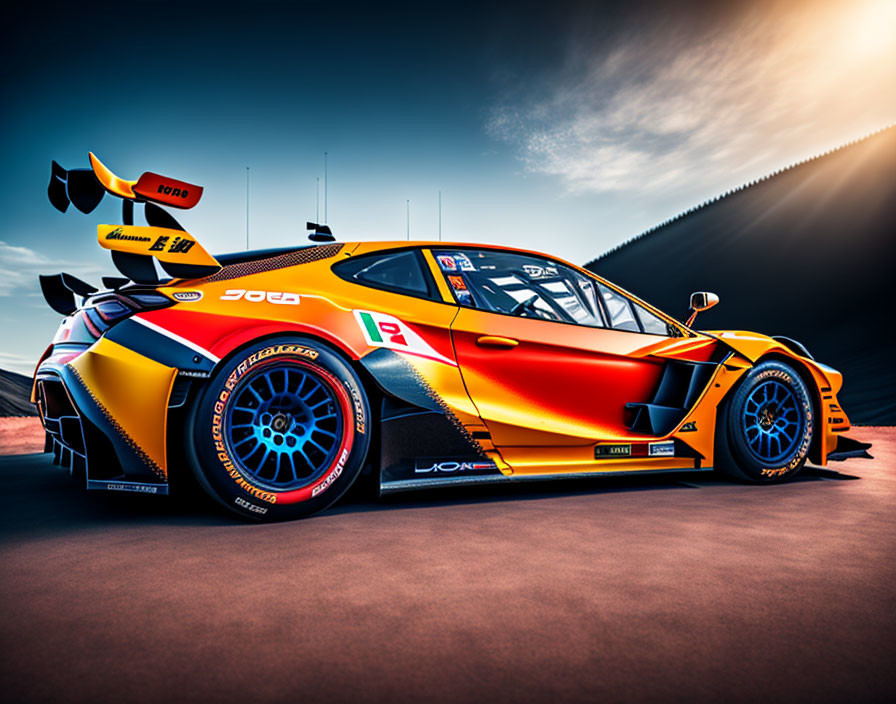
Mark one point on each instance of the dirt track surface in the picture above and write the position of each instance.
(654, 589)
(19, 436)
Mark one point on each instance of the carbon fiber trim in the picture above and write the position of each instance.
(400, 379)
(282, 261)
(447, 412)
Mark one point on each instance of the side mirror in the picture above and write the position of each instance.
(700, 300)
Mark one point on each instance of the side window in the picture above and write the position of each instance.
(400, 271)
(652, 324)
(619, 309)
(628, 315)
(519, 284)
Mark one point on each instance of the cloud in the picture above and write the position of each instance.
(688, 105)
(18, 363)
(20, 267)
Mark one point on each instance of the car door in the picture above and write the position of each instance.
(550, 356)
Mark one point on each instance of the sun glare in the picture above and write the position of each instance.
(870, 28)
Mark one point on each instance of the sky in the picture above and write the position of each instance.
(565, 127)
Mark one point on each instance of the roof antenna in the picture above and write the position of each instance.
(321, 233)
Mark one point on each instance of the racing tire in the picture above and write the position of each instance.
(281, 430)
(764, 431)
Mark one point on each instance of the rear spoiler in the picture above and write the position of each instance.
(133, 248)
(60, 290)
(84, 188)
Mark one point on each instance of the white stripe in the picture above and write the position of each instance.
(177, 338)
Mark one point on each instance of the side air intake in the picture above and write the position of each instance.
(678, 390)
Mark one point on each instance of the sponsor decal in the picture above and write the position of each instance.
(447, 263)
(173, 192)
(277, 297)
(463, 262)
(540, 272)
(661, 449)
(465, 298)
(453, 466)
(332, 476)
(139, 488)
(187, 296)
(179, 245)
(118, 234)
(382, 330)
(689, 427)
(601, 451)
(249, 505)
(457, 283)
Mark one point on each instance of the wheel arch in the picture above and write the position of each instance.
(373, 390)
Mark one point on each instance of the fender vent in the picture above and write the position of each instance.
(678, 390)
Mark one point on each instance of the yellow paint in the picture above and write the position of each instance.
(111, 182)
(134, 390)
(175, 246)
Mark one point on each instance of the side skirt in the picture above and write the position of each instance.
(396, 486)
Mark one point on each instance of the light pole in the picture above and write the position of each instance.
(247, 208)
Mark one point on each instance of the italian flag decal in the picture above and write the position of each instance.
(381, 330)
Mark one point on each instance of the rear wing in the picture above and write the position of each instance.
(134, 248)
(84, 188)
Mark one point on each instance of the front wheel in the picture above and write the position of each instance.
(765, 429)
(281, 431)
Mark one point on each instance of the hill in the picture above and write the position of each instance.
(15, 395)
(807, 252)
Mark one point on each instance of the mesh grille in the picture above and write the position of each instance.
(303, 256)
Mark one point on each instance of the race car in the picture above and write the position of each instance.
(277, 376)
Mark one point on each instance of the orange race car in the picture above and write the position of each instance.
(277, 375)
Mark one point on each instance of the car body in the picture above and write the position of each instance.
(445, 363)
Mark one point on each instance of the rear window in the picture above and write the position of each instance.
(401, 272)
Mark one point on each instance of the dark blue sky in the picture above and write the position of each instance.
(562, 126)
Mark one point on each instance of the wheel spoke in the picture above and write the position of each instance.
(309, 403)
(255, 393)
(314, 387)
(318, 429)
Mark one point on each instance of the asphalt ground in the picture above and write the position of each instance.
(660, 589)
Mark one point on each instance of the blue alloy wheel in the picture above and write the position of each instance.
(283, 426)
(773, 422)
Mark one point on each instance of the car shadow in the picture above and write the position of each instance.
(40, 498)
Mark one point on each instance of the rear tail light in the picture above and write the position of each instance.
(112, 310)
(106, 310)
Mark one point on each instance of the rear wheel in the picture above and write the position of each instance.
(281, 431)
(765, 430)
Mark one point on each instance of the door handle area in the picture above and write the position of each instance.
(504, 343)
